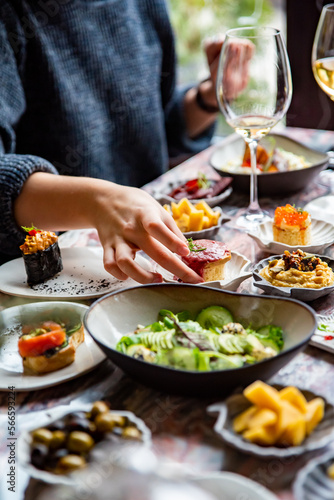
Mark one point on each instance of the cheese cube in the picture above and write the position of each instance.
(295, 397)
(315, 413)
(263, 395)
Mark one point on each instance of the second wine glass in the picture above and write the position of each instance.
(254, 91)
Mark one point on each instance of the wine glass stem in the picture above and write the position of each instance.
(254, 202)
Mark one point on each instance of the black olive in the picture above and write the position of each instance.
(80, 424)
(53, 458)
(38, 455)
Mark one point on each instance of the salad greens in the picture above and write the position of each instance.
(209, 341)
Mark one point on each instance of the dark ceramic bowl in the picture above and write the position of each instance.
(313, 482)
(119, 313)
(305, 294)
(274, 183)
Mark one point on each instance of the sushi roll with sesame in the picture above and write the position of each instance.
(41, 255)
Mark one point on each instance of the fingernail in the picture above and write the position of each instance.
(158, 279)
(184, 251)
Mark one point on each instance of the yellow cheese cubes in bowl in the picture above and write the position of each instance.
(190, 217)
(279, 418)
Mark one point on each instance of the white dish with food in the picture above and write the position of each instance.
(323, 337)
(322, 236)
(12, 374)
(83, 277)
(236, 271)
(230, 153)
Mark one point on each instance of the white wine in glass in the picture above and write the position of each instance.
(323, 66)
(254, 91)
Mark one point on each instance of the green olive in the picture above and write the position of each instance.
(70, 463)
(98, 408)
(58, 439)
(42, 435)
(105, 422)
(80, 442)
(131, 432)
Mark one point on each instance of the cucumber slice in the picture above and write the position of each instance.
(214, 317)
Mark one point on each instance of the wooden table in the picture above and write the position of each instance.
(182, 429)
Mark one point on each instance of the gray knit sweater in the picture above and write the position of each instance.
(87, 88)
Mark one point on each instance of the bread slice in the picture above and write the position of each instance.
(294, 236)
(208, 259)
(62, 358)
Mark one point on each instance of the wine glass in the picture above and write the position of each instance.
(254, 92)
(323, 65)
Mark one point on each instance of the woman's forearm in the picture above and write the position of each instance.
(57, 202)
(197, 120)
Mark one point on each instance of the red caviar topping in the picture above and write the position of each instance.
(290, 216)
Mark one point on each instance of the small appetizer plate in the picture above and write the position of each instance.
(322, 237)
(237, 403)
(236, 271)
(210, 232)
(324, 335)
(88, 355)
(83, 277)
(313, 482)
(304, 294)
(47, 418)
(162, 197)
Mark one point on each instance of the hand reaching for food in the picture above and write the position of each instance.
(127, 220)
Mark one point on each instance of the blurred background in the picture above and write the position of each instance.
(195, 20)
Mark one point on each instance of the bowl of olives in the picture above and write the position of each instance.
(65, 441)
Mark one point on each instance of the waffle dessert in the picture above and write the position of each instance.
(292, 226)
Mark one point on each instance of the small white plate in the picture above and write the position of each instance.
(83, 277)
(322, 208)
(236, 271)
(231, 486)
(87, 356)
(322, 237)
(318, 339)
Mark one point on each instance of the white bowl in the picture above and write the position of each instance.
(232, 406)
(321, 238)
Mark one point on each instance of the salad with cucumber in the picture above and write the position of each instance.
(211, 340)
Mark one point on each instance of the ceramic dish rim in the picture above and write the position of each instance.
(192, 372)
(268, 243)
(272, 174)
(308, 467)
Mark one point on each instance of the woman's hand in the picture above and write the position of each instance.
(240, 53)
(128, 220)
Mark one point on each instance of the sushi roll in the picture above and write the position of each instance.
(41, 255)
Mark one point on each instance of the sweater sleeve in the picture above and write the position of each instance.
(14, 169)
(179, 142)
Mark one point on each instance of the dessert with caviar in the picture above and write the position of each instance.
(41, 255)
(208, 258)
(292, 226)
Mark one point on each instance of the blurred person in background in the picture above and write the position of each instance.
(89, 112)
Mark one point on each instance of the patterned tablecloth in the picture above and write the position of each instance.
(182, 429)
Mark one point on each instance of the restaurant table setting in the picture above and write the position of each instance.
(184, 418)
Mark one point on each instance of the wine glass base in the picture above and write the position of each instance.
(251, 219)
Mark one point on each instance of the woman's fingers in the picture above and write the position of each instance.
(110, 264)
(166, 232)
(169, 261)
